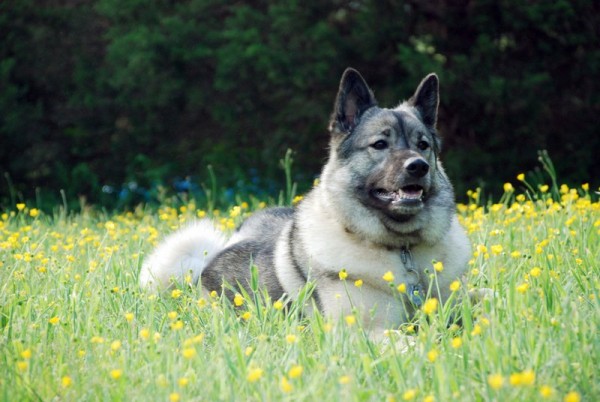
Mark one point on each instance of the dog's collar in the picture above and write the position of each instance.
(415, 290)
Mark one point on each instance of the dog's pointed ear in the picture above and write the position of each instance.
(426, 99)
(353, 99)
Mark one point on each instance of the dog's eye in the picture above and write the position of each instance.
(379, 145)
(422, 145)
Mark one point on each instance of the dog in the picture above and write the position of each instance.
(383, 208)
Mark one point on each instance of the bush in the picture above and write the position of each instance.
(101, 93)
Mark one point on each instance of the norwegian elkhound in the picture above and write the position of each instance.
(383, 204)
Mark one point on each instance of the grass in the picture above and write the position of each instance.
(75, 326)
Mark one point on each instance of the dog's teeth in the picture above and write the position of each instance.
(410, 195)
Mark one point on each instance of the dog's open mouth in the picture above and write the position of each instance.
(410, 194)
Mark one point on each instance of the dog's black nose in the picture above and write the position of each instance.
(417, 167)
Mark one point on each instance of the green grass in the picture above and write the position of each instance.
(75, 326)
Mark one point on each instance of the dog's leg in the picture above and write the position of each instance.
(395, 340)
(479, 295)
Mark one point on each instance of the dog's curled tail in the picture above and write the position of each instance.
(184, 252)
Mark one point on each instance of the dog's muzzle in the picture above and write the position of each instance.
(406, 194)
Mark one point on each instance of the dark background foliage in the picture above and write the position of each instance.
(127, 95)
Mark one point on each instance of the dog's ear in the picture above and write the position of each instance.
(353, 98)
(426, 100)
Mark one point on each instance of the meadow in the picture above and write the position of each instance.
(74, 325)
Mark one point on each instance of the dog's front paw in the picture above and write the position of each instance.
(397, 341)
(479, 295)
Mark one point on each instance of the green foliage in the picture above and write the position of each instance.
(148, 91)
(74, 324)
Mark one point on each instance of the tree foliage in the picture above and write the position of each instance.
(100, 93)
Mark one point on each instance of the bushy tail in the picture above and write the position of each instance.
(185, 252)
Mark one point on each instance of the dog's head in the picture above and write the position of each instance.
(388, 158)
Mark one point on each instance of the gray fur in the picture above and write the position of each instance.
(383, 190)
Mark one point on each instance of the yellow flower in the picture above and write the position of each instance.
(34, 212)
(508, 188)
(358, 283)
(115, 374)
(97, 339)
(585, 186)
(297, 199)
(235, 212)
(528, 377)
(343, 275)
(388, 276)
(409, 395)
(248, 351)
(189, 353)
(291, 338)
(116, 345)
(21, 206)
(454, 286)
(521, 177)
(544, 188)
(476, 330)
(177, 325)
(174, 397)
(183, 381)
(523, 378)
(54, 320)
(129, 317)
(285, 385)
(66, 381)
(495, 381)
(496, 249)
(238, 300)
(401, 288)
(176, 293)
(345, 379)
(22, 365)
(278, 305)
(535, 272)
(438, 266)
(515, 379)
(456, 342)
(546, 391)
(254, 374)
(295, 371)
(522, 288)
(172, 315)
(26, 354)
(246, 316)
(430, 306)
(350, 320)
(572, 396)
(432, 355)
(144, 334)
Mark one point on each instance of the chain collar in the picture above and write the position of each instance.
(416, 292)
